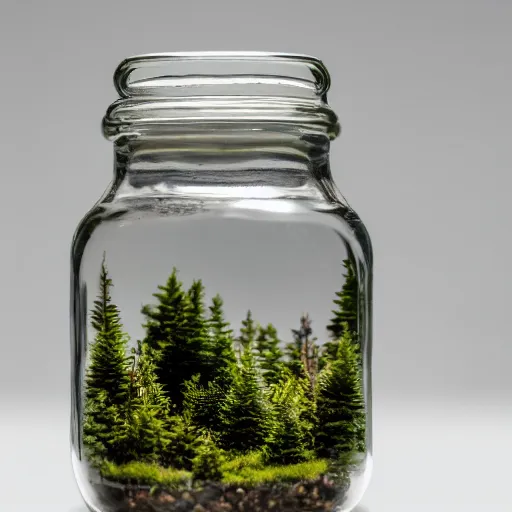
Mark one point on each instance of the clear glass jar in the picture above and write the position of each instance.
(221, 297)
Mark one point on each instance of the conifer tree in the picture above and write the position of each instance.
(223, 356)
(207, 464)
(107, 380)
(204, 404)
(344, 316)
(291, 440)
(269, 354)
(247, 333)
(340, 403)
(149, 409)
(346, 312)
(177, 332)
(303, 351)
(185, 440)
(244, 412)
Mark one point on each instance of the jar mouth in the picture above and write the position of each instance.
(162, 93)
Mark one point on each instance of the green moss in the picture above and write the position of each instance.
(250, 476)
(252, 460)
(146, 474)
(245, 470)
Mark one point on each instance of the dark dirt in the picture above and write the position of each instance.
(312, 496)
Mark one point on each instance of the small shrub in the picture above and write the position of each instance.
(208, 462)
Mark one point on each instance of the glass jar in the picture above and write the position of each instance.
(221, 297)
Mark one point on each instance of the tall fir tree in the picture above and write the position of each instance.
(245, 412)
(291, 440)
(223, 355)
(268, 354)
(247, 333)
(345, 315)
(176, 330)
(340, 403)
(107, 380)
(150, 408)
(303, 351)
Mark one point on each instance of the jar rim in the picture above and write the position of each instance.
(215, 87)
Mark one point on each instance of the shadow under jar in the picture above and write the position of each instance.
(221, 297)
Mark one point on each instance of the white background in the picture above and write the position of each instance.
(423, 90)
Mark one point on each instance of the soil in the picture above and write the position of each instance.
(312, 496)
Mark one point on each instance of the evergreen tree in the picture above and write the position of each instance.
(244, 412)
(340, 403)
(185, 440)
(247, 333)
(223, 356)
(107, 380)
(204, 404)
(344, 316)
(207, 464)
(346, 312)
(176, 330)
(269, 354)
(149, 409)
(303, 351)
(291, 440)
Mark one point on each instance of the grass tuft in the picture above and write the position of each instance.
(251, 476)
(148, 474)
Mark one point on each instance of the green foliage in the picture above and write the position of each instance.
(247, 333)
(248, 476)
(244, 412)
(345, 315)
(184, 442)
(269, 354)
(238, 462)
(207, 464)
(146, 474)
(185, 407)
(204, 403)
(303, 351)
(222, 353)
(340, 403)
(292, 438)
(177, 330)
(107, 379)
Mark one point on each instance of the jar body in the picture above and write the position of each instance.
(221, 340)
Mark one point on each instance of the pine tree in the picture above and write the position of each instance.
(344, 316)
(303, 351)
(177, 331)
(269, 354)
(204, 404)
(244, 412)
(149, 409)
(247, 333)
(207, 464)
(291, 440)
(223, 356)
(340, 403)
(346, 313)
(107, 380)
(185, 440)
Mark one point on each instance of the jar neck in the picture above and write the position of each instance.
(229, 162)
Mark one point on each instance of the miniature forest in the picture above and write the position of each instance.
(195, 411)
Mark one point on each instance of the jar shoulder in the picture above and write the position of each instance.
(335, 216)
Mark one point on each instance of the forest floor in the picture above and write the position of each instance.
(316, 495)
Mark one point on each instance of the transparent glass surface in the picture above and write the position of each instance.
(221, 297)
